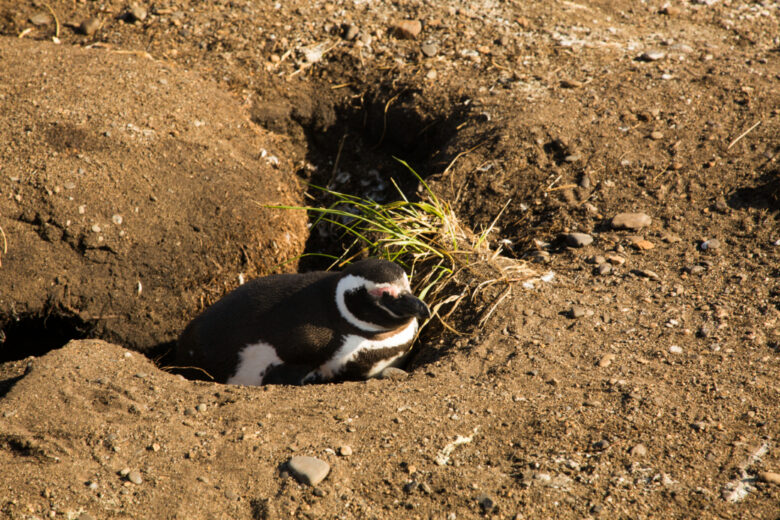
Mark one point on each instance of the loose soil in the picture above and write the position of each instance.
(138, 166)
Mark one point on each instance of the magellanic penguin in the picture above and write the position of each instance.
(306, 328)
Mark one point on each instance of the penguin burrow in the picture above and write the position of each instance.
(307, 328)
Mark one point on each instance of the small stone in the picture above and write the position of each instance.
(578, 239)
(641, 244)
(426, 488)
(231, 495)
(407, 29)
(670, 238)
(572, 158)
(351, 32)
(430, 49)
(652, 56)
(201, 407)
(134, 476)
(606, 360)
(670, 10)
(578, 311)
(638, 451)
(769, 477)
(410, 487)
(345, 451)
(394, 373)
(124, 472)
(646, 273)
(710, 245)
(117, 219)
(615, 259)
(699, 426)
(317, 492)
(571, 83)
(135, 13)
(656, 135)
(486, 504)
(40, 19)
(308, 470)
(631, 221)
(86, 516)
(676, 349)
(601, 445)
(596, 259)
(432, 74)
(88, 27)
(604, 269)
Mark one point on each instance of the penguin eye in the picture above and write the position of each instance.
(381, 292)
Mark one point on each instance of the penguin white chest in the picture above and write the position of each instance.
(353, 345)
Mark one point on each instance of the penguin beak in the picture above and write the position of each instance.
(406, 304)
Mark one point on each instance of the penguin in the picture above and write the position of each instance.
(307, 328)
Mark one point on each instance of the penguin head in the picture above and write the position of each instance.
(374, 295)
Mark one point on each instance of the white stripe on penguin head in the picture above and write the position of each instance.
(352, 283)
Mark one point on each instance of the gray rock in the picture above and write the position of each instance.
(40, 19)
(578, 239)
(604, 269)
(631, 221)
(308, 470)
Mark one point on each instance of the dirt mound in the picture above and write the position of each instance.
(133, 191)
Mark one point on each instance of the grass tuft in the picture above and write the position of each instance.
(446, 261)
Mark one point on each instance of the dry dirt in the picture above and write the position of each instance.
(136, 166)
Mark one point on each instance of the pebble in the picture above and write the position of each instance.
(486, 503)
(670, 10)
(117, 219)
(638, 451)
(201, 407)
(606, 360)
(394, 373)
(88, 27)
(134, 476)
(711, 244)
(86, 516)
(631, 221)
(407, 29)
(351, 32)
(675, 349)
(641, 244)
(601, 445)
(656, 135)
(578, 239)
(231, 495)
(345, 451)
(646, 273)
(604, 269)
(615, 259)
(769, 477)
(652, 56)
(40, 19)
(135, 13)
(578, 311)
(430, 49)
(308, 470)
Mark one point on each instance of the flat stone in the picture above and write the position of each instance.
(41, 19)
(646, 273)
(675, 349)
(430, 49)
(345, 451)
(486, 504)
(578, 239)
(641, 244)
(578, 311)
(652, 56)
(656, 135)
(604, 269)
(308, 470)
(631, 221)
(615, 259)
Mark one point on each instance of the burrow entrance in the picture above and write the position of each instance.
(347, 144)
